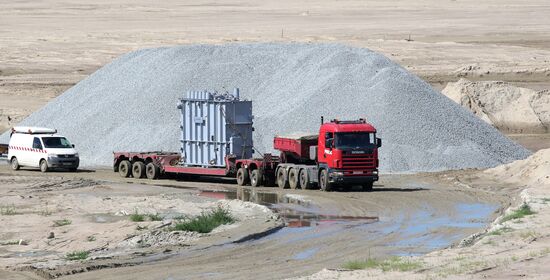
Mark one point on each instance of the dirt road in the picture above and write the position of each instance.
(405, 215)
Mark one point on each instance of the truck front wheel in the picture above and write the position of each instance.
(324, 181)
(256, 178)
(367, 187)
(242, 176)
(124, 169)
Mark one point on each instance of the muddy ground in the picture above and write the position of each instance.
(406, 215)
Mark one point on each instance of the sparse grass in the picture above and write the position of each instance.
(137, 217)
(9, 242)
(8, 210)
(60, 223)
(205, 222)
(523, 211)
(90, 238)
(77, 255)
(181, 217)
(545, 200)
(154, 217)
(391, 264)
(528, 235)
(500, 231)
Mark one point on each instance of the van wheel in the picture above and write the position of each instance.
(152, 171)
(138, 169)
(124, 169)
(323, 181)
(242, 176)
(256, 178)
(43, 165)
(15, 164)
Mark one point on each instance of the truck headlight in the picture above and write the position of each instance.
(375, 172)
(337, 174)
(76, 155)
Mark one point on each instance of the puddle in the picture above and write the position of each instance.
(30, 254)
(306, 254)
(294, 209)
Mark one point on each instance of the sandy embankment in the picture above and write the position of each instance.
(45, 218)
(508, 249)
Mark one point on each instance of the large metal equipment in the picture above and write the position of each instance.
(214, 125)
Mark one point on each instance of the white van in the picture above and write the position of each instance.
(41, 147)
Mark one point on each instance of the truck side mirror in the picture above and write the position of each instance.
(329, 143)
(378, 142)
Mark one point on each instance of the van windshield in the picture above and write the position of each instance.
(56, 142)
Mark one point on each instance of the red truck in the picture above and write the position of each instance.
(344, 153)
(216, 140)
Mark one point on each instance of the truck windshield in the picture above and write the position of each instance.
(355, 140)
(56, 142)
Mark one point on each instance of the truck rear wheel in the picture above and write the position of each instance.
(14, 164)
(303, 178)
(367, 187)
(138, 169)
(324, 181)
(293, 179)
(282, 180)
(256, 178)
(152, 171)
(242, 176)
(124, 169)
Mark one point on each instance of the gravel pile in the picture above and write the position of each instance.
(130, 104)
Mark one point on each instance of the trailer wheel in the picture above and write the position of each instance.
(323, 181)
(138, 169)
(282, 180)
(293, 179)
(304, 180)
(256, 179)
(14, 163)
(367, 187)
(124, 169)
(242, 176)
(152, 171)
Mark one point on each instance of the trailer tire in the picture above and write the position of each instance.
(242, 176)
(324, 181)
(304, 179)
(367, 187)
(138, 169)
(124, 169)
(15, 164)
(256, 178)
(152, 171)
(282, 180)
(293, 179)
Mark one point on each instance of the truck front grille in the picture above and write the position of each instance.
(359, 161)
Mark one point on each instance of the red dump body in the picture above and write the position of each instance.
(298, 146)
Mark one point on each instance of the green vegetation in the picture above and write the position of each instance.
(137, 217)
(154, 217)
(77, 255)
(141, 228)
(500, 231)
(7, 210)
(60, 223)
(205, 222)
(391, 264)
(523, 211)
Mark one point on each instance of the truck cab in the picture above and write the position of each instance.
(347, 154)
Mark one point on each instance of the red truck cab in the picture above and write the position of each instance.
(348, 153)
